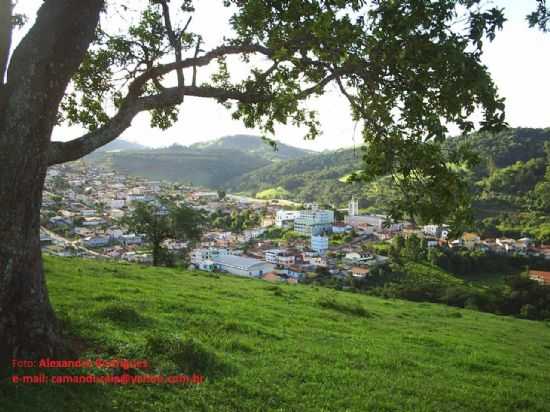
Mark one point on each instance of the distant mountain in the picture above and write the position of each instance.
(253, 145)
(211, 164)
(120, 145)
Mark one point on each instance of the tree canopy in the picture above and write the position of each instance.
(409, 70)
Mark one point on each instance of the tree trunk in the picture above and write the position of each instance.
(39, 71)
(27, 323)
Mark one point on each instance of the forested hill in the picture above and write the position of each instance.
(507, 147)
(253, 145)
(315, 177)
(211, 164)
(511, 160)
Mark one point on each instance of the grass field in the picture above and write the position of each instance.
(265, 347)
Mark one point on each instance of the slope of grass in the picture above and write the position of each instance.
(283, 347)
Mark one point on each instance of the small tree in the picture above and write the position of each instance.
(159, 223)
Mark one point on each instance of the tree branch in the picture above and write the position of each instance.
(203, 60)
(61, 152)
(174, 40)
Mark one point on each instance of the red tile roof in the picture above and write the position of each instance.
(540, 275)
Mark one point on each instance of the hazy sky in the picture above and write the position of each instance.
(518, 59)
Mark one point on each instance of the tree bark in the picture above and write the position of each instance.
(38, 74)
(28, 328)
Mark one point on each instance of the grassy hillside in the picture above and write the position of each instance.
(209, 168)
(285, 348)
(254, 145)
(316, 177)
(210, 164)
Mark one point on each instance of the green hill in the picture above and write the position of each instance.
(321, 177)
(254, 145)
(211, 164)
(281, 347)
(210, 168)
(316, 177)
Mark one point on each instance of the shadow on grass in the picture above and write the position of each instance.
(187, 355)
(354, 309)
(124, 316)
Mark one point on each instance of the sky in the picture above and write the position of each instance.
(518, 60)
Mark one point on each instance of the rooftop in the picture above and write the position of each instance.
(237, 261)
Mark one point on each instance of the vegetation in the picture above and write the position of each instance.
(404, 81)
(163, 221)
(236, 221)
(510, 185)
(384, 354)
(464, 278)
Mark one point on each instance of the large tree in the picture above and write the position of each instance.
(408, 68)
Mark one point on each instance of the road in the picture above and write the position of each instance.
(66, 242)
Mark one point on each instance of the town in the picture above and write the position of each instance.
(84, 206)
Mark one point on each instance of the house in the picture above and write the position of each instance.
(59, 221)
(242, 266)
(285, 218)
(87, 212)
(540, 276)
(279, 257)
(96, 241)
(319, 243)
(359, 272)
(378, 221)
(203, 254)
(117, 203)
(470, 240)
(357, 257)
(93, 221)
(130, 239)
(339, 227)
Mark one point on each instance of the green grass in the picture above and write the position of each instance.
(273, 193)
(264, 347)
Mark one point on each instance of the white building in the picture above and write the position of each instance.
(319, 243)
(353, 207)
(131, 239)
(279, 257)
(285, 218)
(203, 254)
(242, 266)
(117, 203)
(250, 234)
(377, 221)
(314, 222)
(271, 255)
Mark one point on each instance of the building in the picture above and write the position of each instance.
(353, 207)
(339, 227)
(359, 272)
(242, 266)
(97, 241)
(540, 276)
(314, 222)
(377, 221)
(130, 239)
(200, 255)
(319, 243)
(285, 218)
(279, 257)
(470, 240)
